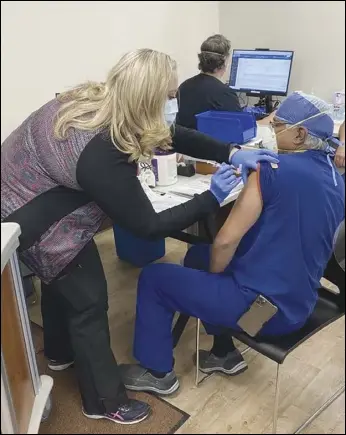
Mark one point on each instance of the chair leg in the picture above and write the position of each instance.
(179, 328)
(198, 328)
(246, 350)
(326, 404)
(276, 400)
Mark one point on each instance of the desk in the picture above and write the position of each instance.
(24, 394)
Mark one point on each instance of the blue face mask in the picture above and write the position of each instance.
(171, 110)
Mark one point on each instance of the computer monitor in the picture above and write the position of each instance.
(261, 72)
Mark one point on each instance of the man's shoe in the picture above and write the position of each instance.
(232, 364)
(137, 378)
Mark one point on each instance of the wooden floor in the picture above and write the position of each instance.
(243, 404)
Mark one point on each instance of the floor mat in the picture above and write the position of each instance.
(66, 415)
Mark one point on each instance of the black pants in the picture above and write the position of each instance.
(75, 322)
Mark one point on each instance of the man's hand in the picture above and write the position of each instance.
(340, 157)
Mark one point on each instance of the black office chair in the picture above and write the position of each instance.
(329, 308)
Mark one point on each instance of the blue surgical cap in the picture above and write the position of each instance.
(309, 111)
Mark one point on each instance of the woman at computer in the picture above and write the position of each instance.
(206, 91)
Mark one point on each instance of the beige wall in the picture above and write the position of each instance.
(47, 46)
(314, 30)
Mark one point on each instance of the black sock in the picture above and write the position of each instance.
(223, 344)
(158, 375)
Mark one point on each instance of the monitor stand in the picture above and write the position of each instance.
(267, 102)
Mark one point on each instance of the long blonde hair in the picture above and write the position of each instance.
(130, 105)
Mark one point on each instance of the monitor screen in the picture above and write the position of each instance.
(265, 72)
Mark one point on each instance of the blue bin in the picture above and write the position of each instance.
(235, 127)
(136, 251)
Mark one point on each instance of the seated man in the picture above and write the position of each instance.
(276, 243)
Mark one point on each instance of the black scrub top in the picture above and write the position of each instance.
(202, 93)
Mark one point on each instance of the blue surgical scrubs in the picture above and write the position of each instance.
(282, 257)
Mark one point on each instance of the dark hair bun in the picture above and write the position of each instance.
(214, 52)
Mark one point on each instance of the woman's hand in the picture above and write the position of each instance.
(248, 160)
(223, 182)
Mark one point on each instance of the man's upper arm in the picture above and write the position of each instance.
(244, 214)
(260, 190)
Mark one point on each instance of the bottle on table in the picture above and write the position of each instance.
(339, 106)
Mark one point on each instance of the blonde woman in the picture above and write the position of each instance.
(71, 163)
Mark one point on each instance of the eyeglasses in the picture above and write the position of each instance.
(276, 124)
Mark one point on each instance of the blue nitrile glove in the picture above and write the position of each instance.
(223, 182)
(250, 159)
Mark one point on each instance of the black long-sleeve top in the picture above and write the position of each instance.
(106, 175)
(202, 93)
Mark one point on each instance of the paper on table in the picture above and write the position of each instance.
(192, 187)
(235, 192)
(162, 202)
(196, 187)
